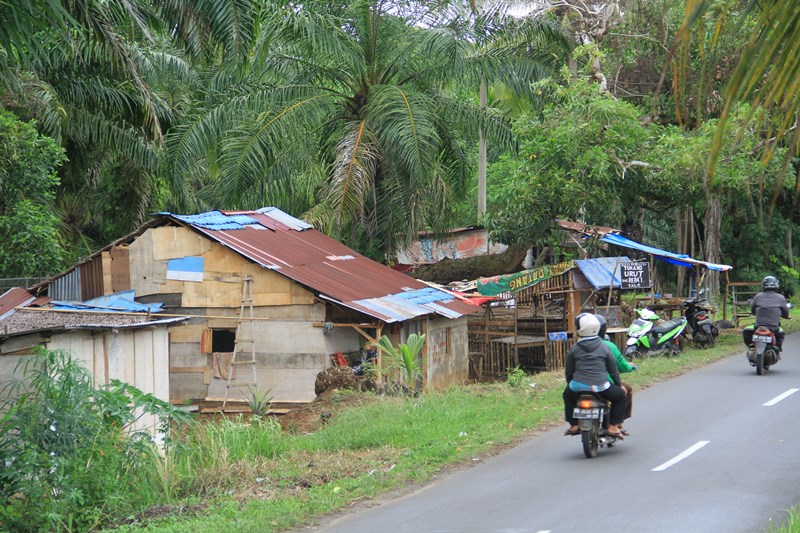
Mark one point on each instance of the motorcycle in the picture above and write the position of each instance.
(646, 339)
(763, 353)
(591, 412)
(704, 333)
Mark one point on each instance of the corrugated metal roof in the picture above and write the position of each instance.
(13, 298)
(280, 242)
(25, 321)
(599, 270)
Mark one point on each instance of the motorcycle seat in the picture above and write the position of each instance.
(665, 327)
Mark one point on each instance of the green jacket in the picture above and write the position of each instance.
(622, 364)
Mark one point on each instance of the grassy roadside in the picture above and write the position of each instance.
(240, 477)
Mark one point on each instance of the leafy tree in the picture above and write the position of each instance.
(28, 225)
(357, 97)
(584, 156)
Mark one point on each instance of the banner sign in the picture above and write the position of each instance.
(635, 275)
(521, 280)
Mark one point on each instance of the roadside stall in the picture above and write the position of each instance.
(532, 327)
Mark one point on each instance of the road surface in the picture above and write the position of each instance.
(714, 450)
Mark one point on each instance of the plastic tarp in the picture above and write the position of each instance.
(670, 257)
(120, 301)
(599, 271)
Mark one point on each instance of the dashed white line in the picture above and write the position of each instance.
(780, 397)
(680, 457)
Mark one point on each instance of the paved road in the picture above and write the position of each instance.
(715, 450)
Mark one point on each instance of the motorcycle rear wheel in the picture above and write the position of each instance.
(760, 364)
(590, 441)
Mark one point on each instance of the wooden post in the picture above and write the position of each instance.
(725, 301)
(516, 331)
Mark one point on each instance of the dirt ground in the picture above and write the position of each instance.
(337, 388)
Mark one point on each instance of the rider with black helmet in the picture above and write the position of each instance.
(769, 306)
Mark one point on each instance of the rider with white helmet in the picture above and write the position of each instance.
(587, 368)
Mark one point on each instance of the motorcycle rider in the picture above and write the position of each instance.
(622, 365)
(588, 366)
(769, 306)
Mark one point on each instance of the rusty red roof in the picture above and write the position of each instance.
(13, 298)
(292, 247)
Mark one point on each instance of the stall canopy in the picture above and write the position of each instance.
(670, 257)
(599, 271)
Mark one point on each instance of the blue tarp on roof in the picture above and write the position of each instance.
(669, 257)
(120, 301)
(599, 270)
(215, 220)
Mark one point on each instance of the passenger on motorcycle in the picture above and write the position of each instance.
(768, 306)
(588, 366)
(622, 365)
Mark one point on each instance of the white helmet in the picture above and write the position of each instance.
(647, 314)
(587, 325)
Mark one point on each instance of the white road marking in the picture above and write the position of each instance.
(681, 456)
(783, 396)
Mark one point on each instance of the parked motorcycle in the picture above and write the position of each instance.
(592, 412)
(647, 339)
(704, 333)
(763, 353)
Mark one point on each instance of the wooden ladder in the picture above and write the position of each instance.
(245, 343)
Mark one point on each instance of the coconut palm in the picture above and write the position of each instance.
(99, 77)
(357, 96)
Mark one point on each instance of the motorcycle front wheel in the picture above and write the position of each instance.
(590, 441)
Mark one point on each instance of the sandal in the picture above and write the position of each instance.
(615, 435)
(570, 432)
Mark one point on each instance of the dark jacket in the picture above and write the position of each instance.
(590, 362)
(769, 307)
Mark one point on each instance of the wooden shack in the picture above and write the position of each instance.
(132, 348)
(271, 289)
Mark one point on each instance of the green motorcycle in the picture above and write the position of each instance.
(645, 338)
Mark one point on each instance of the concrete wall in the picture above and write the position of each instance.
(289, 350)
(447, 356)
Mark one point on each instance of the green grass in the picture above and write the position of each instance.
(240, 477)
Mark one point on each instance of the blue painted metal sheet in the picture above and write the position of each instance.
(599, 270)
(216, 220)
(121, 301)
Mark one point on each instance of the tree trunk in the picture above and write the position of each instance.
(713, 224)
(789, 249)
(482, 157)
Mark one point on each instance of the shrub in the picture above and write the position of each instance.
(69, 458)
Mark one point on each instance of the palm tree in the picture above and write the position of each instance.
(98, 77)
(531, 46)
(357, 97)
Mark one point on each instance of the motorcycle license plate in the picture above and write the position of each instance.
(762, 338)
(590, 414)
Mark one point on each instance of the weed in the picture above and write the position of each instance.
(516, 377)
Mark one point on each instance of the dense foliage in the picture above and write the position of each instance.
(365, 117)
(28, 225)
(70, 458)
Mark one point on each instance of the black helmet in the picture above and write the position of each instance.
(770, 283)
(603, 326)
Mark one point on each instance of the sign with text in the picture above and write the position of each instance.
(635, 275)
